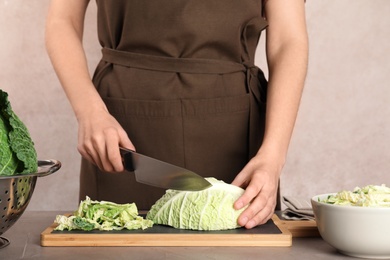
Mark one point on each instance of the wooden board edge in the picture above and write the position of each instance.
(171, 240)
(299, 228)
(145, 240)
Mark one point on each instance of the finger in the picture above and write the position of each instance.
(251, 191)
(113, 153)
(264, 204)
(85, 148)
(251, 211)
(92, 145)
(89, 153)
(114, 138)
(114, 158)
(113, 149)
(259, 212)
(241, 179)
(98, 151)
(124, 141)
(84, 154)
(271, 214)
(260, 218)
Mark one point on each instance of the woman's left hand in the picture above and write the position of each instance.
(260, 179)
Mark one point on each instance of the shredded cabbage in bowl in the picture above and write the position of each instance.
(368, 196)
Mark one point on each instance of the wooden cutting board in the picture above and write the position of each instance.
(273, 233)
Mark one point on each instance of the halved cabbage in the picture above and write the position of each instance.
(209, 209)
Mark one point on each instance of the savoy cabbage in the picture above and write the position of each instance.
(17, 152)
(209, 209)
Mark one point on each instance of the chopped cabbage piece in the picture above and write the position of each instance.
(368, 196)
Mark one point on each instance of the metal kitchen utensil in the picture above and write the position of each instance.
(16, 192)
(160, 174)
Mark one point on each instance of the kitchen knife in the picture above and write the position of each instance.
(160, 174)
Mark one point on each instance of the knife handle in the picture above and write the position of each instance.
(127, 159)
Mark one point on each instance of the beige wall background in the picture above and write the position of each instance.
(342, 134)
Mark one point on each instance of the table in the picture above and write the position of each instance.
(24, 238)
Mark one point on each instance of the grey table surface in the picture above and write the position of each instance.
(24, 237)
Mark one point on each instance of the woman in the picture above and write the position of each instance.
(177, 82)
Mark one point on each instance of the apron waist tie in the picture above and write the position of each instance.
(170, 64)
(254, 76)
(256, 82)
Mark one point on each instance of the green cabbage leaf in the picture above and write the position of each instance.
(17, 152)
(103, 215)
(209, 209)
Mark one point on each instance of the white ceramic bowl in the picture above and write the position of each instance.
(356, 231)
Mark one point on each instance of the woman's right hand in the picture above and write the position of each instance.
(99, 138)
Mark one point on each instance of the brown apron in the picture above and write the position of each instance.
(179, 76)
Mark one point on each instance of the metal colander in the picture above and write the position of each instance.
(16, 192)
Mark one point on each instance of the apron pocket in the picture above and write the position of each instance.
(154, 127)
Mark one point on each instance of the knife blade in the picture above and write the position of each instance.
(160, 174)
